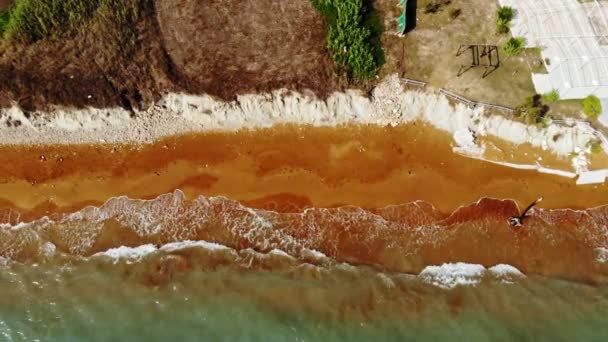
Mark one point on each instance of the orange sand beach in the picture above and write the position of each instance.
(284, 168)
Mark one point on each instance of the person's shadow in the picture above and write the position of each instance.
(411, 7)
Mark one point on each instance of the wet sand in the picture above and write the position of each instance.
(285, 168)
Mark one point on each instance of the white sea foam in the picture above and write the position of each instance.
(128, 254)
(601, 254)
(451, 275)
(313, 254)
(279, 252)
(175, 246)
(48, 249)
(506, 270)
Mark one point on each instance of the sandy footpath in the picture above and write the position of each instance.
(389, 105)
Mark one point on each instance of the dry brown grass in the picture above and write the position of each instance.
(4, 4)
(236, 46)
(223, 48)
(429, 52)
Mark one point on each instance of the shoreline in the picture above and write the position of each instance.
(389, 105)
(419, 235)
(260, 169)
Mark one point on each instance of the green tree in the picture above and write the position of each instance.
(592, 107)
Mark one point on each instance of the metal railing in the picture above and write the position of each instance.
(471, 103)
(416, 83)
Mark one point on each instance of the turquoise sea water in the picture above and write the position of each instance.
(95, 300)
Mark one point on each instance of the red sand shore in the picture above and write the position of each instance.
(284, 168)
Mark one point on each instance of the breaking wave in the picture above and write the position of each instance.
(400, 239)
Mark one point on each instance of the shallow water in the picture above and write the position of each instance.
(99, 300)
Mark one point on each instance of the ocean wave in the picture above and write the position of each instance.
(400, 238)
(451, 275)
(446, 276)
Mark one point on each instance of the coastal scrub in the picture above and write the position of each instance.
(592, 107)
(533, 111)
(4, 16)
(514, 46)
(32, 20)
(353, 37)
(552, 96)
(504, 15)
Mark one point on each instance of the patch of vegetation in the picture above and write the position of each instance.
(4, 16)
(33, 20)
(592, 107)
(455, 13)
(514, 46)
(552, 96)
(596, 147)
(504, 15)
(353, 37)
(436, 5)
(533, 111)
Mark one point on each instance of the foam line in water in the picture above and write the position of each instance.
(451, 275)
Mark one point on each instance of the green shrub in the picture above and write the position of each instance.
(504, 15)
(552, 96)
(533, 111)
(592, 107)
(353, 37)
(502, 26)
(596, 147)
(505, 12)
(32, 20)
(4, 16)
(514, 46)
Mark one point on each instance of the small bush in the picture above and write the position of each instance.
(592, 107)
(33, 20)
(502, 26)
(533, 111)
(353, 37)
(552, 96)
(436, 5)
(4, 17)
(505, 12)
(455, 13)
(596, 147)
(514, 46)
(504, 15)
